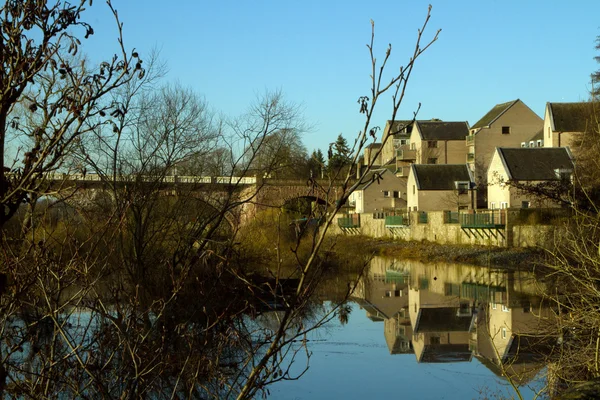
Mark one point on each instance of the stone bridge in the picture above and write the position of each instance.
(253, 194)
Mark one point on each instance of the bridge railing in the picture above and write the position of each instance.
(229, 180)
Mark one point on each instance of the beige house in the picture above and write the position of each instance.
(440, 187)
(526, 167)
(563, 121)
(380, 190)
(506, 125)
(434, 142)
(395, 134)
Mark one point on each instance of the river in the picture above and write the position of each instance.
(431, 331)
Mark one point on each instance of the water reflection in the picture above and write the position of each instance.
(444, 313)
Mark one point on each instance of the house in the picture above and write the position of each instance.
(434, 142)
(505, 125)
(424, 142)
(380, 190)
(440, 187)
(372, 154)
(523, 167)
(395, 134)
(563, 121)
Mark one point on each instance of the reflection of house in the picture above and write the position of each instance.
(563, 121)
(526, 167)
(510, 339)
(440, 318)
(379, 190)
(439, 187)
(382, 293)
(505, 125)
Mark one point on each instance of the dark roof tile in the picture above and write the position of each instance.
(535, 163)
(571, 117)
(493, 114)
(440, 176)
(439, 130)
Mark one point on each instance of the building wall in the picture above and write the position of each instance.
(446, 152)
(554, 138)
(498, 191)
(523, 123)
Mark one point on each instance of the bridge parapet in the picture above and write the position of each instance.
(226, 180)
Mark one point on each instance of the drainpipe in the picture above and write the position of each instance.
(445, 152)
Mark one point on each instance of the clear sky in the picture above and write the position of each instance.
(488, 52)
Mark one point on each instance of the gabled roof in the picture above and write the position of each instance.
(535, 163)
(439, 130)
(375, 175)
(397, 127)
(442, 319)
(494, 114)
(570, 117)
(440, 176)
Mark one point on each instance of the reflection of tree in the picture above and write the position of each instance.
(143, 289)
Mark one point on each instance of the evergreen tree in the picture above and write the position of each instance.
(339, 155)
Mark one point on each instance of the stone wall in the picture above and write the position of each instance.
(436, 230)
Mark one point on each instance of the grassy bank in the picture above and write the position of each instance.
(432, 252)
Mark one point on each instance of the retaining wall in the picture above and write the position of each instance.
(514, 234)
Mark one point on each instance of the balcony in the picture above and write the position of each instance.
(470, 157)
(487, 219)
(404, 153)
(470, 139)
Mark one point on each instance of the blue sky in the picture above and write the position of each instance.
(488, 52)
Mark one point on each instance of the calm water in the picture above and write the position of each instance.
(435, 331)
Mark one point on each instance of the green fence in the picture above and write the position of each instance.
(349, 222)
(397, 220)
(451, 217)
(488, 219)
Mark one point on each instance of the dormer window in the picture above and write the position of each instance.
(462, 187)
(564, 174)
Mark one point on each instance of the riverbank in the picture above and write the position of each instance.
(431, 252)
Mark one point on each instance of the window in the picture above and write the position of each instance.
(503, 333)
(432, 160)
(432, 144)
(548, 132)
(396, 194)
(506, 130)
(414, 191)
(505, 308)
(524, 204)
(492, 205)
(462, 187)
(386, 193)
(413, 146)
(494, 306)
(523, 144)
(540, 143)
(435, 340)
(504, 205)
(531, 143)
